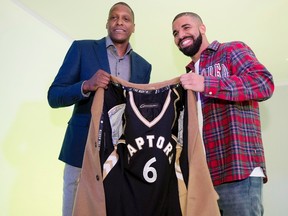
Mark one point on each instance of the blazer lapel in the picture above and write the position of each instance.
(101, 54)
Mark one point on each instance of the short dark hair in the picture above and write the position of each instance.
(194, 15)
(124, 4)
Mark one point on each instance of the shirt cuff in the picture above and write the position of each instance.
(87, 94)
(211, 86)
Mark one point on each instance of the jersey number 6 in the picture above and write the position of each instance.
(149, 169)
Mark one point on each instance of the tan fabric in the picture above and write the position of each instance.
(201, 198)
(90, 196)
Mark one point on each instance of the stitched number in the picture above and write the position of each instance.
(149, 172)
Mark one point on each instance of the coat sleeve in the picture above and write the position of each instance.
(66, 87)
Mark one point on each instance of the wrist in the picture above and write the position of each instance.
(84, 89)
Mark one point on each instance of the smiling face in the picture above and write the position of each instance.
(120, 24)
(187, 32)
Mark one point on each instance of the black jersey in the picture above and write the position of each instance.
(134, 170)
(141, 170)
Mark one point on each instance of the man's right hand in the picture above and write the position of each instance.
(99, 80)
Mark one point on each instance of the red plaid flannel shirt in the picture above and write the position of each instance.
(235, 81)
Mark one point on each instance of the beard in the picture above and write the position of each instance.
(194, 48)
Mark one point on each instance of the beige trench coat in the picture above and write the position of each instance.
(90, 196)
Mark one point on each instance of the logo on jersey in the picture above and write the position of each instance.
(150, 142)
(154, 105)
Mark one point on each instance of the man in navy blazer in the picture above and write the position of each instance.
(86, 67)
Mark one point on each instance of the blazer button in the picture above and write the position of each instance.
(97, 177)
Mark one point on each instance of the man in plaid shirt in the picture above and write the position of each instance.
(229, 82)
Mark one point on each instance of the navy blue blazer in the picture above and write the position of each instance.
(82, 60)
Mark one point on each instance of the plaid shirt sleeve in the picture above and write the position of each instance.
(246, 78)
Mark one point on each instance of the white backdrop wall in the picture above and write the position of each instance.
(34, 38)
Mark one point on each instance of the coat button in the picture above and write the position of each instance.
(97, 177)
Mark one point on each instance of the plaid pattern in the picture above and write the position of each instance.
(235, 81)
